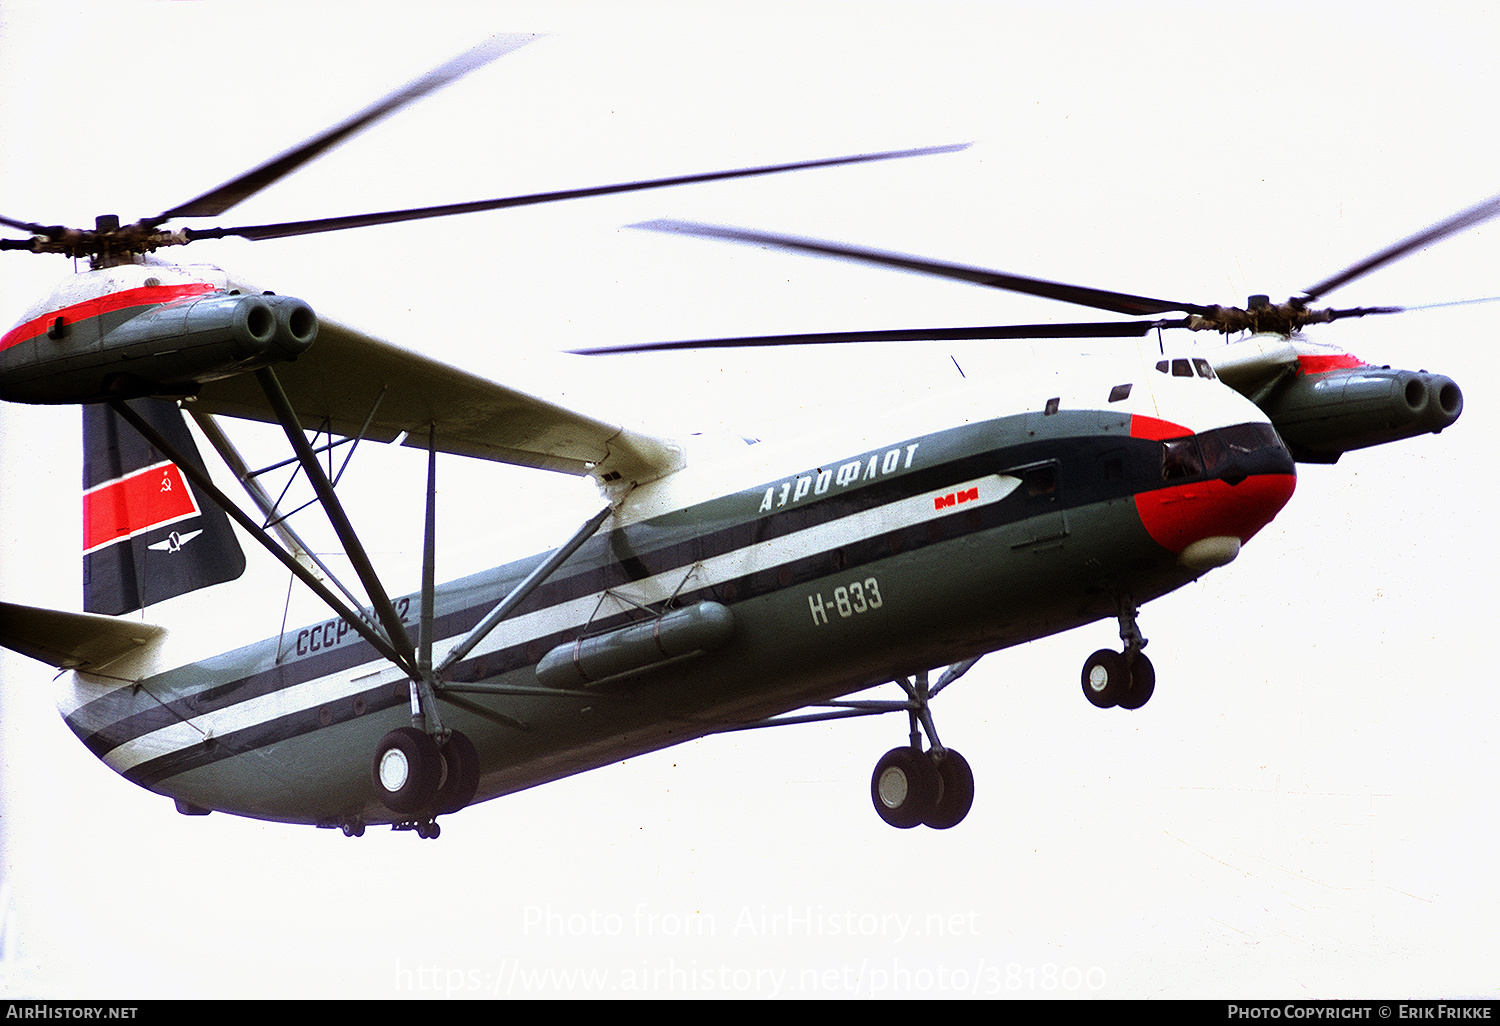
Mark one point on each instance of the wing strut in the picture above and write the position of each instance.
(385, 610)
(275, 520)
(525, 588)
(424, 711)
(205, 484)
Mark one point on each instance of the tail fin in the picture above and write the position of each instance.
(147, 534)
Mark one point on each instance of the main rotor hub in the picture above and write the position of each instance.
(107, 244)
(1264, 317)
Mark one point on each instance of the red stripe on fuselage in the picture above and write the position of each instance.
(152, 295)
(1154, 429)
(129, 505)
(1310, 364)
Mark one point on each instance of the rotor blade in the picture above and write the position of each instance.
(1474, 215)
(1100, 329)
(218, 200)
(25, 226)
(1453, 302)
(333, 224)
(1099, 299)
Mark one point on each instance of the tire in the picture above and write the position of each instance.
(406, 770)
(904, 787)
(460, 775)
(1142, 683)
(956, 795)
(1106, 678)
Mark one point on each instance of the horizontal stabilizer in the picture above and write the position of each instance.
(71, 641)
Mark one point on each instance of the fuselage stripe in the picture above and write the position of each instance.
(127, 299)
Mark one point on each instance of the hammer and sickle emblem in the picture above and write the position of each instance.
(166, 482)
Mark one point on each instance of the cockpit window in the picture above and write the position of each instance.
(1210, 452)
(1181, 368)
(1180, 458)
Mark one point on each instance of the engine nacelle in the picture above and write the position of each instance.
(167, 349)
(1323, 415)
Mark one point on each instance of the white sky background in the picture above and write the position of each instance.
(1305, 809)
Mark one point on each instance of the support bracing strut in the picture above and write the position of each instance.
(205, 484)
(384, 609)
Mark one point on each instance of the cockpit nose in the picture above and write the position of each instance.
(1219, 488)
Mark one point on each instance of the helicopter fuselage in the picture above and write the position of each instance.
(755, 581)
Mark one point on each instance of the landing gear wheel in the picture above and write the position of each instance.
(1142, 683)
(1106, 678)
(955, 793)
(406, 770)
(904, 787)
(428, 829)
(460, 775)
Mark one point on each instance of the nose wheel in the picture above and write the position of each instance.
(1112, 679)
(1124, 679)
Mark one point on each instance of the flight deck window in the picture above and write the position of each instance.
(1224, 444)
(1216, 450)
(1249, 437)
(1185, 368)
(1180, 459)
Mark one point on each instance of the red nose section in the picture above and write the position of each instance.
(1180, 515)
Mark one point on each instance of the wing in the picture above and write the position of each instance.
(356, 385)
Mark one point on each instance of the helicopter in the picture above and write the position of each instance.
(716, 590)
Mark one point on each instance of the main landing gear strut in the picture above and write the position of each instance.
(910, 786)
(934, 788)
(1125, 679)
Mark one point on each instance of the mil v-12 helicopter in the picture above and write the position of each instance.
(721, 586)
